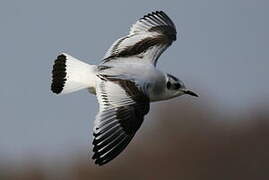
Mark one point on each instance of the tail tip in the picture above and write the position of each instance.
(59, 74)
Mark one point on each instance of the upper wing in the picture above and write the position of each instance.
(147, 39)
(122, 109)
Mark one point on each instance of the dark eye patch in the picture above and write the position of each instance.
(168, 85)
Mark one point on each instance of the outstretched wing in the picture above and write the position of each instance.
(147, 39)
(122, 106)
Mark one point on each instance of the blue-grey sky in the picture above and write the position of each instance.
(221, 53)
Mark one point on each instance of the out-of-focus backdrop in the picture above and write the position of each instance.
(221, 53)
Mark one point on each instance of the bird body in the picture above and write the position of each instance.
(144, 75)
(125, 82)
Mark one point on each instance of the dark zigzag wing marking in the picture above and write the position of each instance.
(153, 22)
(117, 135)
(113, 135)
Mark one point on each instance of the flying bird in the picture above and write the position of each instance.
(125, 82)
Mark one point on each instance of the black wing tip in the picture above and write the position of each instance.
(161, 14)
(98, 160)
(154, 13)
(107, 158)
(110, 151)
(58, 74)
(168, 28)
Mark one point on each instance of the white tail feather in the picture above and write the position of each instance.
(70, 74)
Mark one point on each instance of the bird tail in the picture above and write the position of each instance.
(70, 74)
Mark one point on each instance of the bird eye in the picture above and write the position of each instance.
(168, 85)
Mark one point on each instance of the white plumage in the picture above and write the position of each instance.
(125, 82)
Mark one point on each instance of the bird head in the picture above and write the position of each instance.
(175, 87)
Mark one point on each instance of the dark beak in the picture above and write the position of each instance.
(190, 93)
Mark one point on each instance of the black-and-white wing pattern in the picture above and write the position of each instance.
(147, 39)
(122, 107)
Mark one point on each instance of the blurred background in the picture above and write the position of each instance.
(221, 53)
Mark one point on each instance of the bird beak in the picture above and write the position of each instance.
(190, 93)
